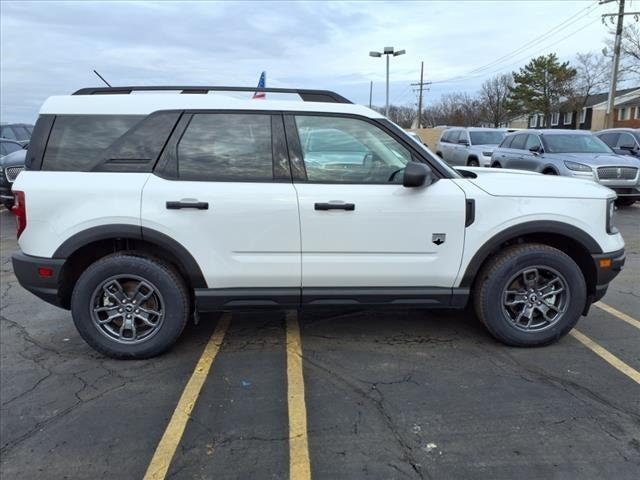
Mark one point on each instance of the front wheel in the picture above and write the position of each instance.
(530, 295)
(473, 162)
(129, 306)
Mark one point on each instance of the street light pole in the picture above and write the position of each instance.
(388, 51)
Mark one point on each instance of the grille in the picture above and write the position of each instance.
(12, 172)
(617, 173)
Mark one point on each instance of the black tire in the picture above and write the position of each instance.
(625, 202)
(495, 277)
(473, 162)
(168, 286)
(439, 154)
(496, 165)
(549, 172)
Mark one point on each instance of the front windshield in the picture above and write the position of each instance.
(574, 143)
(486, 138)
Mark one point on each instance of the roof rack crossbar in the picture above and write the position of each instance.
(306, 95)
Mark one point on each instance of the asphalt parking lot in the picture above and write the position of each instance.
(384, 394)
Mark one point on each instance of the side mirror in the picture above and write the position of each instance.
(535, 149)
(417, 174)
(462, 141)
(623, 151)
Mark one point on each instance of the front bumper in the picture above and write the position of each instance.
(41, 276)
(608, 266)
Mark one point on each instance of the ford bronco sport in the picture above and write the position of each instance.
(171, 204)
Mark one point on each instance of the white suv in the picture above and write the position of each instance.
(136, 211)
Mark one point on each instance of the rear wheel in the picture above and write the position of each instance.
(549, 172)
(128, 306)
(473, 162)
(530, 295)
(496, 165)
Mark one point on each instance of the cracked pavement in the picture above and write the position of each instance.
(389, 394)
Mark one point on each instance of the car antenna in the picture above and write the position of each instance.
(101, 78)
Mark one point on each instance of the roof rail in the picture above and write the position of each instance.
(306, 95)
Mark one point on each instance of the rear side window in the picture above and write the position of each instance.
(610, 138)
(76, 142)
(226, 147)
(506, 143)
(518, 142)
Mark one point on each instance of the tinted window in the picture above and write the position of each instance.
(77, 142)
(626, 141)
(486, 138)
(138, 149)
(532, 141)
(574, 143)
(610, 138)
(506, 143)
(445, 136)
(226, 147)
(361, 153)
(21, 133)
(519, 141)
(9, 147)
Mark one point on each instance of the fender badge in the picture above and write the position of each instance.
(438, 238)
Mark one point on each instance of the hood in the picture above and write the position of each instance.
(13, 159)
(485, 148)
(597, 159)
(501, 182)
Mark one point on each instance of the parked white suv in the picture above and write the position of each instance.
(137, 211)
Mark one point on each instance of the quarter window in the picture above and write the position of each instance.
(226, 147)
(348, 150)
(77, 141)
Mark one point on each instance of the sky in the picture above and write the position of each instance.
(51, 48)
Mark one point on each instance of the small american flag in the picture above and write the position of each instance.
(261, 84)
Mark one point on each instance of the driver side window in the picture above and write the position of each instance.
(348, 150)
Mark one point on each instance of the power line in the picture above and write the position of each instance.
(520, 60)
(550, 33)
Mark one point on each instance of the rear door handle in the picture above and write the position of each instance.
(335, 206)
(177, 205)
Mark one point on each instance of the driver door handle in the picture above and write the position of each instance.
(335, 206)
(177, 205)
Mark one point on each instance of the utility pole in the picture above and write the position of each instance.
(421, 84)
(616, 64)
(370, 93)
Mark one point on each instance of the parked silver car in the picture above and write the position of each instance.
(571, 153)
(625, 141)
(469, 146)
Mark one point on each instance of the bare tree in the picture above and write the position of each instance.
(403, 115)
(456, 108)
(630, 50)
(592, 76)
(494, 95)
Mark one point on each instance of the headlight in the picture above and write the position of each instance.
(611, 210)
(577, 167)
(487, 154)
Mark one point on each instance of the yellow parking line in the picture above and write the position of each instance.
(299, 465)
(607, 356)
(622, 316)
(161, 460)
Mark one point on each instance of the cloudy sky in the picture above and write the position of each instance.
(50, 48)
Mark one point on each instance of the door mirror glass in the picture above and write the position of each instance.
(534, 148)
(463, 141)
(417, 174)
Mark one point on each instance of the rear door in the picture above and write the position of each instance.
(515, 152)
(223, 190)
(530, 160)
(360, 226)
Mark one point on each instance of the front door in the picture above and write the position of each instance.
(359, 226)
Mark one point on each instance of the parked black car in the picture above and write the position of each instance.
(12, 157)
(18, 132)
(625, 141)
